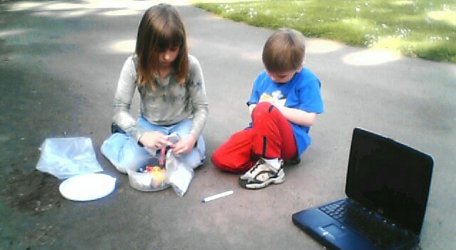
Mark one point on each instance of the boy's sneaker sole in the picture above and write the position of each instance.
(294, 161)
(256, 184)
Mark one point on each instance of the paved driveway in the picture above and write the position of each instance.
(59, 63)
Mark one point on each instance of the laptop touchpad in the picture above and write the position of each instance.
(332, 231)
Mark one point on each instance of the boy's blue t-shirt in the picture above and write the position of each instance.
(301, 92)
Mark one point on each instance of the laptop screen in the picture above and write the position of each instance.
(389, 178)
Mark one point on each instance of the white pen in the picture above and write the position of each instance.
(216, 196)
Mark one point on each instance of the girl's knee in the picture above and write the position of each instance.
(127, 161)
(121, 169)
(194, 159)
(124, 153)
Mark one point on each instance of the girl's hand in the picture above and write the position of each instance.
(185, 145)
(154, 140)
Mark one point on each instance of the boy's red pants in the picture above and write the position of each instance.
(271, 136)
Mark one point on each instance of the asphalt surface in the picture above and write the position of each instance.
(59, 64)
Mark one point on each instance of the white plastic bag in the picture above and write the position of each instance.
(178, 175)
(66, 157)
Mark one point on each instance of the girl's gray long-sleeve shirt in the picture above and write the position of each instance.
(168, 104)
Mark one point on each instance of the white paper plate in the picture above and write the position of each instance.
(87, 187)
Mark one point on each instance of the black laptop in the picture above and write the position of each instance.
(387, 189)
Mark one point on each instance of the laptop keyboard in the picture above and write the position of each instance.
(381, 232)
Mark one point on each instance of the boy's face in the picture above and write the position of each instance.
(282, 76)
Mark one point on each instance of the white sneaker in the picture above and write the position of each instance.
(261, 175)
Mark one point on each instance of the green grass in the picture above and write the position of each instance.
(415, 28)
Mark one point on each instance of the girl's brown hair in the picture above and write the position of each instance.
(284, 50)
(161, 28)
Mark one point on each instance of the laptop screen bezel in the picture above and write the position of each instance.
(362, 140)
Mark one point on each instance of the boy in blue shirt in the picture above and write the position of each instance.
(284, 104)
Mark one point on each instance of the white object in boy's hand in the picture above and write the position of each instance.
(273, 99)
(265, 97)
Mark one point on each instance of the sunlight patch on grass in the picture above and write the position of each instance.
(358, 23)
(400, 25)
(403, 2)
(218, 1)
(446, 16)
(389, 42)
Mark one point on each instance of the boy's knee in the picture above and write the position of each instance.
(215, 159)
(263, 107)
(262, 110)
(219, 162)
(225, 164)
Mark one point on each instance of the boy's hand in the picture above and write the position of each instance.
(274, 100)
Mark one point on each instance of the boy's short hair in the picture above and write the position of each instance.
(284, 50)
